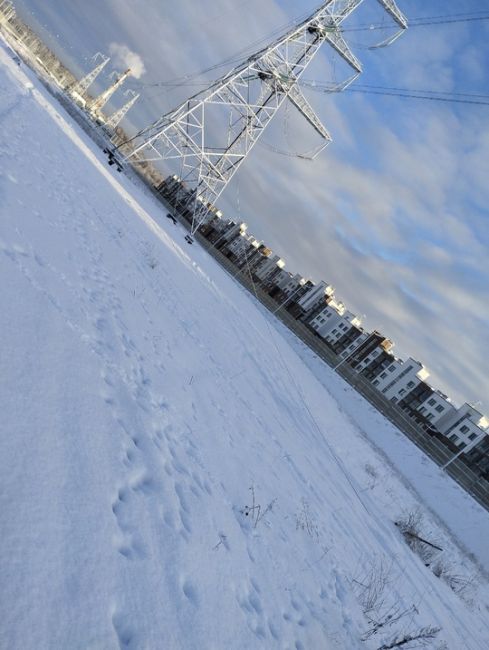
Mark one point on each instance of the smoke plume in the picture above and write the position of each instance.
(124, 57)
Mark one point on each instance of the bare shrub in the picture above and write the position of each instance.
(422, 637)
(148, 255)
(373, 475)
(369, 586)
(383, 610)
(304, 521)
(255, 512)
(460, 584)
(410, 525)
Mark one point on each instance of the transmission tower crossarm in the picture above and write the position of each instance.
(393, 10)
(297, 98)
(336, 40)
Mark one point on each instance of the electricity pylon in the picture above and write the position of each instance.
(100, 101)
(119, 115)
(212, 132)
(81, 87)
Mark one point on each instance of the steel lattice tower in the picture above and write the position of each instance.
(118, 115)
(83, 85)
(240, 105)
(100, 101)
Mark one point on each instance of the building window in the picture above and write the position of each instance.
(430, 416)
(440, 408)
(394, 400)
(472, 436)
(453, 437)
(375, 382)
(410, 384)
(383, 375)
(464, 429)
(432, 401)
(392, 368)
(422, 410)
(402, 391)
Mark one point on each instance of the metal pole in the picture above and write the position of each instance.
(464, 450)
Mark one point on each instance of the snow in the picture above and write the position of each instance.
(145, 398)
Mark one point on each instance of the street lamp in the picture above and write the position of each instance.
(464, 450)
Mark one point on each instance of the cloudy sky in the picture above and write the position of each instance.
(394, 213)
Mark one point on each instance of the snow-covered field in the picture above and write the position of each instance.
(176, 471)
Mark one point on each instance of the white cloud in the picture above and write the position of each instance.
(124, 57)
(404, 182)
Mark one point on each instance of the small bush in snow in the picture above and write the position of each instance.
(369, 585)
(459, 584)
(372, 474)
(410, 524)
(383, 610)
(423, 637)
(255, 512)
(304, 521)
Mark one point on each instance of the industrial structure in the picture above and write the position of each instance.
(79, 90)
(211, 133)
(96, 106)
(7, 11)
(116, 117)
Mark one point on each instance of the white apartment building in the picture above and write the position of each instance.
(355, 345)
(381, 348)
(466, 435)
(400, 378)
(327, 318)
(315, 296)
(281, 278)
(341, 327)
(435, 407)
(268, 266)
(463, 426)
(209, 215)
(240, 244)
(295, 281)
(227, 231)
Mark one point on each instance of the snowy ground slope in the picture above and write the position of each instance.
(142, 395)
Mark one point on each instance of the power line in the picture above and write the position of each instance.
(411, 93)
(237, 56)
(427, 20)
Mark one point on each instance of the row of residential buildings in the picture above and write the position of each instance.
(403, 382)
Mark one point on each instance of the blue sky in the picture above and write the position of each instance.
(394, 213)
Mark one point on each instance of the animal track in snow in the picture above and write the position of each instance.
(190, 592)
(125, 634)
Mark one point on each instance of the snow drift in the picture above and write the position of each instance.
(173, 475)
